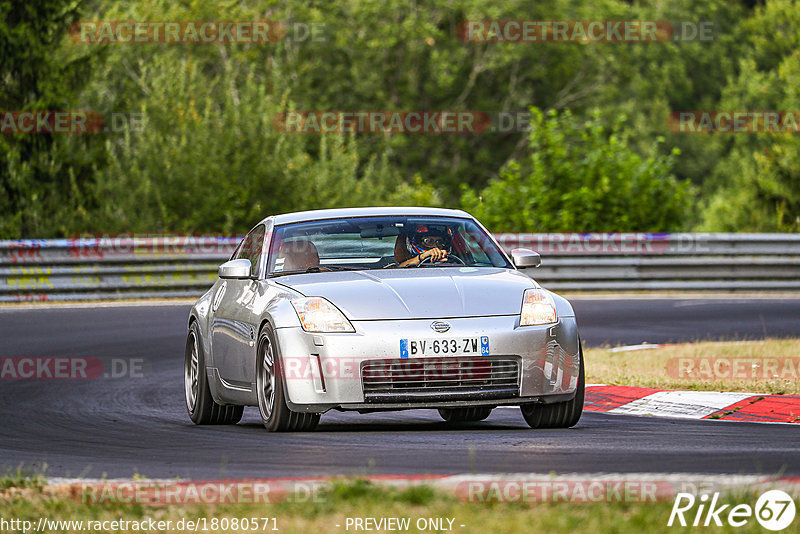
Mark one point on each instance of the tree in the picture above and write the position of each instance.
(44, 178)
(209, 159)
(755, 185)
(581, 177)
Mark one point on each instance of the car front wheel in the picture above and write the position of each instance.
(560, 414)
(275, 413)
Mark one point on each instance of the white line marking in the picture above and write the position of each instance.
(686, 404)
(628, 348)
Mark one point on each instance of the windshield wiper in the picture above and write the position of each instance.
(323, 268)
(316, 269)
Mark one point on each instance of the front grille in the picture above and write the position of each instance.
(440, 378)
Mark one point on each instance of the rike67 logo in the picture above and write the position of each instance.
(774, 510)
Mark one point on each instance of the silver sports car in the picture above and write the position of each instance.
(377, 309)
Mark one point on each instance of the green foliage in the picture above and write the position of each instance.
(418, 495)
(209, 157)
(646, 82)
(341, 491)
(21, 477)
(397, 55)
(755, 186)
(44, 179)
(350, 489)
(581, 177)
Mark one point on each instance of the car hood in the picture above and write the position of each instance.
(417, 293)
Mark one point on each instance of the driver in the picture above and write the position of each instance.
(425, 241)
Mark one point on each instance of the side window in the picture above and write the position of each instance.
(251, 248)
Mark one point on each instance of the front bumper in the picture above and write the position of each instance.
(324, 371)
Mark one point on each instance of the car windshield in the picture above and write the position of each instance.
(363, 243)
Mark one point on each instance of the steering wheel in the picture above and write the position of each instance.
(447, 259)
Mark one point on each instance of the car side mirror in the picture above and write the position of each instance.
(235, 269)
(524, 257)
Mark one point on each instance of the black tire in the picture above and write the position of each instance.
(275, 413)
(464, 415)
(560, 414)
(202, 408)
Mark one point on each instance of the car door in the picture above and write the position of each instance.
(233, 329)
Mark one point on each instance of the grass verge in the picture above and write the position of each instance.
(764, 366)
(21, 478)
(330, 509)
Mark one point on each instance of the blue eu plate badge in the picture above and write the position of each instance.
(484, 346)
(404, 348)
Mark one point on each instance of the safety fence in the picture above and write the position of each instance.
(132, 267)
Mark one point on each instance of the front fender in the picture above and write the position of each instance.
(568, 325)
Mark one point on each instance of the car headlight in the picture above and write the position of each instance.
(318, 315)
(538, 307)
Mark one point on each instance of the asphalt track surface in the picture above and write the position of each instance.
(124, 426)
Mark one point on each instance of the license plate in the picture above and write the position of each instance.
(441, 346)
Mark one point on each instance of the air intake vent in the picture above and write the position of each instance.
(440, 378)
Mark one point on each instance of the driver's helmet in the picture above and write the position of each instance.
(422, 237)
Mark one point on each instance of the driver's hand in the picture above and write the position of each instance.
(435, 254)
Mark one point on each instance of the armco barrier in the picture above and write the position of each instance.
(661, 261)
(142, 267)
(129, 267)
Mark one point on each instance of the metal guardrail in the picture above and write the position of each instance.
(120, 267)
(142, 267)
(663, 261)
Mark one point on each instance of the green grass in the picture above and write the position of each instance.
(361, 498)
(21, 478)
(652, 367)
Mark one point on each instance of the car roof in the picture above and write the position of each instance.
(401, 211)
